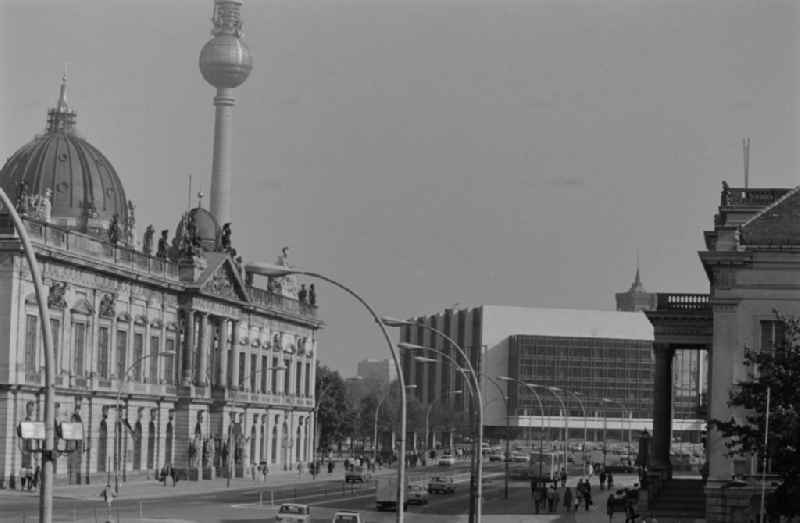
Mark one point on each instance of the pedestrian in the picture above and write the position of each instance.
(173, 475)
(108, 496)
(587, 494)
(630, 513)
(29, 477)
(36, 473)
(568, 500)
(330, 467)
(563, 477)
(551, 499)
(538, 496)
(299, 469)
(602, 479)
(610, 507)
(609, 480)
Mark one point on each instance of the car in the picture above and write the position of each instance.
(517, 457)
(293, 513)
(447, 460)
(356, 474)
(495, 457)
(417, 493)
(441, 485)
(346, 517)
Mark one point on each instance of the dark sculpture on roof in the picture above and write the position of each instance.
(147, 241)
(114, 230)
(162, 245)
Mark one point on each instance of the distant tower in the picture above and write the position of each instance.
(636, 298)
(225, 63)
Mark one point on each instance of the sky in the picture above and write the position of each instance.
(433, 153)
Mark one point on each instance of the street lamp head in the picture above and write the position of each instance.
(411, 386)
(423, 359)
(394, 322)
(554, 388)
(269, 269)
(410, 346)
(505, 378)
(606, 400)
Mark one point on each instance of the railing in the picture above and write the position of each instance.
(682, 302)
(734, 196)
(59, 238)
(281, 303)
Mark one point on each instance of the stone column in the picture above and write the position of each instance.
(662, 407)
(188, 348)
(234, 361)
(203, 350)
(224, 347)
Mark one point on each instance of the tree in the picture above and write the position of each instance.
(329, 392)
(779, 371)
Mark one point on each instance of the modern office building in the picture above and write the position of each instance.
(602, 361)
(165, 353)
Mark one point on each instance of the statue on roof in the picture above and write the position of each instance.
(114, 230)
(225, 241)
(130, 226)
(21, 200)
(162, 245)
(147, 241)
(285, 285)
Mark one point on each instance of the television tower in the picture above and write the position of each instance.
(225, 63)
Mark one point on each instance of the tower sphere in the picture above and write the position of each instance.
(225, 61)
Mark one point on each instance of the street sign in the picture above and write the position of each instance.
(71, 431)
(31, 430)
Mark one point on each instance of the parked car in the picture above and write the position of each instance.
(441, 485)
(447, 460)
(356, 474)
(495, 457)
(346, 517)
(417, 493)
(293, 513)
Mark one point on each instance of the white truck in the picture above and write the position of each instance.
(386, 493)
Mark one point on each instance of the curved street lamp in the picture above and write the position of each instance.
(48, 457)
(118, 431)
(478, 453)
(577, 395)
(276, 271)
(505, 397)
(532, 388)
(375, 425)
(624, 409)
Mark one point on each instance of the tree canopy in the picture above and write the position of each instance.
(329, 391)
(779, 371)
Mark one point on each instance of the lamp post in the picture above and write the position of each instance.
(624, 410)
(315, 434)
(271, 270)
(478, 467)
(508, 443)
(577, 396)
(532, 388)
(428, 413)
(118, 429)
(46, 490)
(555, 391)
(375, 425)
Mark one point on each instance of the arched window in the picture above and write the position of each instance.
(274, 445)
(168, 446)
(137, 446)
(102, 446)
(253, 441)
(151, 445)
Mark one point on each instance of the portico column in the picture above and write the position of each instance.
(188, 348)
(234, 362)
(224, 347)
(662, 407)
(203, 349)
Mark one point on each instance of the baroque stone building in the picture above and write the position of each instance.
(165, 353)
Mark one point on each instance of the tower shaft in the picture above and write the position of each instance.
(221, 165)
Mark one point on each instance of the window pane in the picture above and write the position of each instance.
(155, 347)
(80, 342)
(138, 352)
(31, 323)
(169, 362)
(102, 352)
(55, 330)
(122, 350)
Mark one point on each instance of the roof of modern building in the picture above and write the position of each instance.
(503, 321)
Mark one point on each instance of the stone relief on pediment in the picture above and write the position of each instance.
(106, 308)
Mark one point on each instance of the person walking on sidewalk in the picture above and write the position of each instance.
(108, 496)
(568, 500)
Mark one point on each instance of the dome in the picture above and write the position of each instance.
(85, 189)
(225, 61)
(206, 230)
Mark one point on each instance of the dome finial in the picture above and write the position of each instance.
(61, 118)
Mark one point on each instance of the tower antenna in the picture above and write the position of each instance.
(746, 153)
(189, 195)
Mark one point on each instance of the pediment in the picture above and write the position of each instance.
(777, 224)
(82, 306)
(223, 280)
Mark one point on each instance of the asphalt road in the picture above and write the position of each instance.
(252, 504)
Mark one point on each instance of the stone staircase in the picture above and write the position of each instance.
(680, 500)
